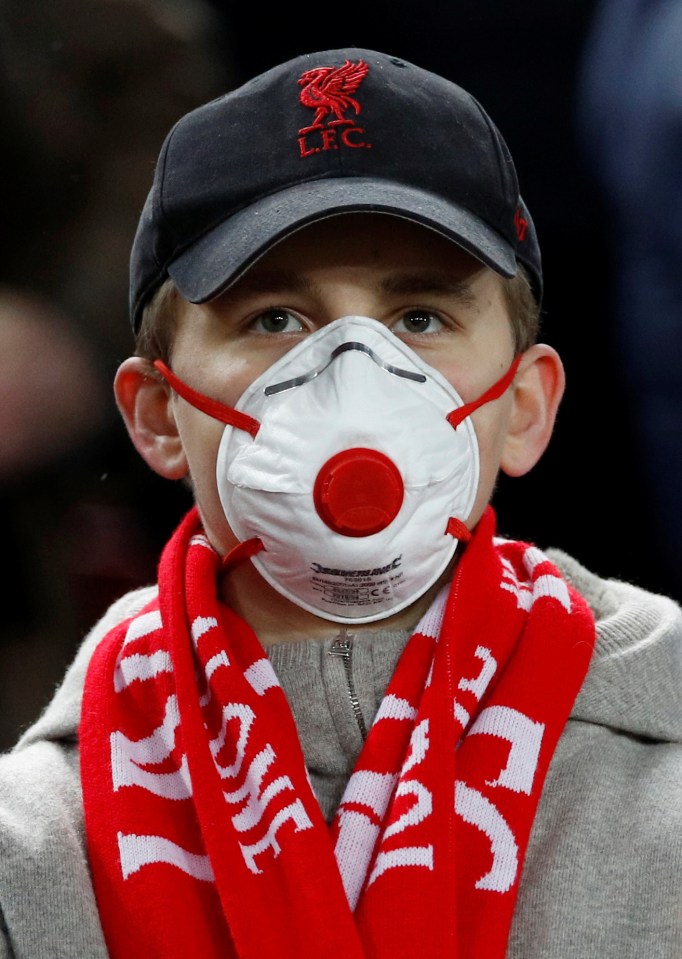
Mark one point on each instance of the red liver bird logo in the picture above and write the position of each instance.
(327, 90)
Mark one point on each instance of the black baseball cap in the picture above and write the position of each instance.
(338, 131)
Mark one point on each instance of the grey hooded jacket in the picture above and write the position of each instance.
(602, 877)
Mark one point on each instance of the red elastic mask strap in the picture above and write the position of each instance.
(495, 391)
(456, 528)
(244, 550)
(219, 411)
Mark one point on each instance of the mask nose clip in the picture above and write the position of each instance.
(358, 492)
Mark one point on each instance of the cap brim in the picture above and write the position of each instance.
(218, 258)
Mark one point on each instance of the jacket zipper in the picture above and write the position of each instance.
(343, 648)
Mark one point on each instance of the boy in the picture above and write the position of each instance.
(352, 719)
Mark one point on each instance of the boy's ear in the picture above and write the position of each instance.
(144, 401)
(537, 391)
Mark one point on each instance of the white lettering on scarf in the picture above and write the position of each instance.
(543, 586)
(358, 829)
(129, 756)
(251, 788)
(476, 686)
(249, 795)
(261, 676)
(138, 851)
(295, 813)
(409, 855)
(475, 809)
(525, 738)
(140, 666)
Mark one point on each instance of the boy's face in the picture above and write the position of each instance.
(440, 301)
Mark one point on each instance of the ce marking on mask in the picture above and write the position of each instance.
(357, 587)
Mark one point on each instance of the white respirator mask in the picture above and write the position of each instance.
(347, 470)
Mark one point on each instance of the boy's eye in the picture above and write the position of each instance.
(418, 321)
(277, 321)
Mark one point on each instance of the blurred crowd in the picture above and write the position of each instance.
(88, 90)
(629, 126)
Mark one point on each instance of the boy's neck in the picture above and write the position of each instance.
(276, 619)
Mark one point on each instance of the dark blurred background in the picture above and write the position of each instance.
(88, 90)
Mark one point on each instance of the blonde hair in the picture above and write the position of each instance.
(154, 340)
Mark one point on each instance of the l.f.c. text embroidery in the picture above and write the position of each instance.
(329, 92)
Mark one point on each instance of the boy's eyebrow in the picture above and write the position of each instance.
(436, 282)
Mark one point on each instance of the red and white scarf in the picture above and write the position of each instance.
(204, 836)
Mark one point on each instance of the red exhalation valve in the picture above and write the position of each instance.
(358, 492)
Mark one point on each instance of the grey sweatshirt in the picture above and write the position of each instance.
(602, 877)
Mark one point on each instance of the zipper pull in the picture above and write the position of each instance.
(342, 646)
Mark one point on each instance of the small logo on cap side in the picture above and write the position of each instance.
(328, 91)
(521, 224)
